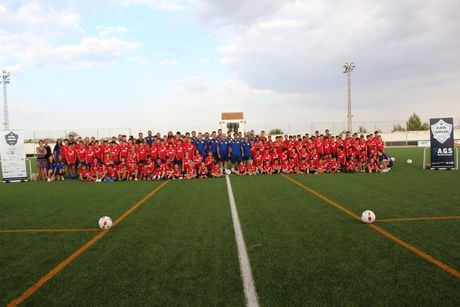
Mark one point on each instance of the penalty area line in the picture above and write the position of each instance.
(404, 244)
(250, 293)
(42, 281)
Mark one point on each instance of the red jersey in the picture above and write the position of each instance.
(251, 168)
(241, 168)
(81, 153)
(197, 160)
(162, 149)
(209, 161)
(89, 155)
(180, 152)
(258, 158)
(142, 153)
(171, 152)
(71, 156)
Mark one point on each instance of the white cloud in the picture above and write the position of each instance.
(194, 83)
(34, 35)
(162, 5)
(105, 31)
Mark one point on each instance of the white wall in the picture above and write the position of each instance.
(412, 136)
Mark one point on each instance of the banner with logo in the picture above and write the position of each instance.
(13, 156)
(442, 142)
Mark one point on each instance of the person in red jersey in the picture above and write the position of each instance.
(341, 158)
(209, 161)
(350, 165)
(71, 158)
(285, 167)
(179, 151)
(169, 170)
(284, 156)
(177, 173)
(334, 166)
(114, 152)
(64, 149)
(241, 169)
(189, 147)
(96, 174)
(197, 158)
(203, 170)
(133, 171)
(321, 167)
(171, 151)
(304, 166)
(154, 150)
(112, 173)
(379, 144)
(276, 166)
(190, 171)
(251, 168)
(333, 147)
(292, 165)
(125, 149)
(81, 153)
(266, 156)
(97, 151)
(185, 161)
(258, 159)
(141, 153)
(372, 166)
(89, 155)
(267, 168)
(216, 171)
(162, 149)
(314, 155)
(123, 172)
(84, 174)
(303, 153)
(159, 172)
(370, 143)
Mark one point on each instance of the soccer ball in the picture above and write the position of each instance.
(393, 159)
(409, 161)
(105, 222)
(228, 172)
(368, 217)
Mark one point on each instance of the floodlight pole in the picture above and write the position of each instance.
(5, 78)
(347, 69)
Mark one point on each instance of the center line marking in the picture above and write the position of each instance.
(245, 267)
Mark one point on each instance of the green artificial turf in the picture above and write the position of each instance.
(178, 248)
(304, 251)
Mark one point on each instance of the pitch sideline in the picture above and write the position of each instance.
(50, 275)
(410, 247)
(245, 266)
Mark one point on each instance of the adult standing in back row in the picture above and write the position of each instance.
(41, 160)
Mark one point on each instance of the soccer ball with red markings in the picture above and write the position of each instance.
(105, 222)
(368, 217)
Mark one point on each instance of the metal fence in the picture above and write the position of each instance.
(286, 127)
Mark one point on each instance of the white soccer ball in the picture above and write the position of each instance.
(368, 217)
(409, 161)
(393, 159)
(228, 172)
(105, 222)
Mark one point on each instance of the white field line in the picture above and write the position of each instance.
(245, 267)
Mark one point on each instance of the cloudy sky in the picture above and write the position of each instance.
(177, 64)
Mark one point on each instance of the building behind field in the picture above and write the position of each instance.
(233, 121)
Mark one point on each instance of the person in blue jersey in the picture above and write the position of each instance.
(246, 149)
(236, 151)
(207, 145)
(200, 145)
(222, 151)
(212, 145)
(149, 138)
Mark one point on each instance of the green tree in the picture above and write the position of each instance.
(414, 123)
(276, 131)
(398, 127)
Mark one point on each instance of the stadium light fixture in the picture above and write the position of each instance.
(5, 79)
(348, 69)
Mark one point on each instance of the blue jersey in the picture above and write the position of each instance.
(247, 149)
(200, 145)
(60, 165)
(149, 139)
(236, 147)
(207, 145)
(223, 148)
(213, 145)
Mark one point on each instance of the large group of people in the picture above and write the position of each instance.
(208, 155)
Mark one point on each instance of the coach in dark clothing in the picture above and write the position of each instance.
(48, 149)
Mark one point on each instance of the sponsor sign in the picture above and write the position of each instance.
(442, 142)
(13, 156)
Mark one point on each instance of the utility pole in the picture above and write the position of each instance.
(347, 69)
(5, 78)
